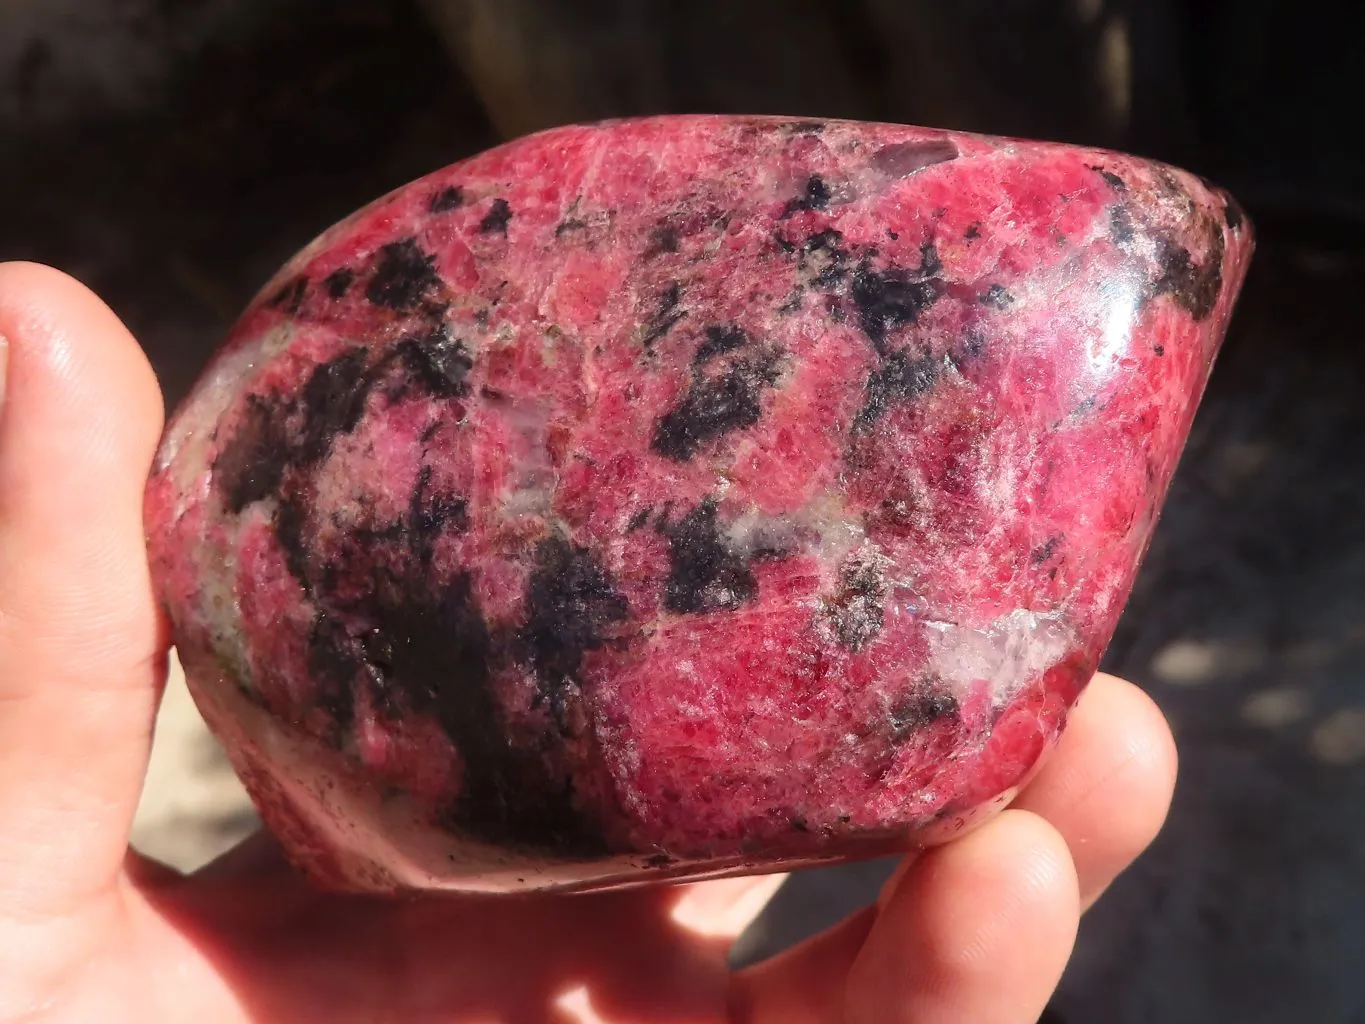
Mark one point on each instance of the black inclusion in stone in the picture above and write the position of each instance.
(715, 406)
(431, 514)
(280, 437)
(902, 375)
(339, 282)
(333, 665)
(815, 197)
(890, 299)
(572, 607)
(290, 297)
(667, 316)
(705, 574)
(997, 296)
(1120, 224)
(1111, 179)
(437, 362)
(451, 198)
(436, 648)
(436, 657)
(719, 339)
(920, 711)
(929, 263)
(404, 275)
(570, 225)
(331, 404)
(1193, 286)
(1044, 551)
(824, 253)
(290, 525)
(497, 218)
(665, 238)
(422, 643)
(250, 466)
(380, 585)
(443, 659)
(828, 240)
(856, 609)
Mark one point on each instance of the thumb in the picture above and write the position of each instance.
(82, 651)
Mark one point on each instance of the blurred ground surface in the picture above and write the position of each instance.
(171, 154)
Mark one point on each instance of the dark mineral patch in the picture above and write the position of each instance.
(572, 606)
(816, 196)
(334, 664)
(667, 315)
(901, 376)
(1111, 179)
(250, 466)
(289, 298)
(705, 574)
(665, 238)
(339, 282)
(824, 257)
(435, 361)
(497, 218)
(331, 404)
(920, 711)
(1120, 224)
(856, 610)
(447, 199)
(431, 514)
(715, 406)
(1194, 286)
(997, 296)
(404, 275)
(719, 339)
(889, 299)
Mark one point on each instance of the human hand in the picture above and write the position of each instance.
(976, 931)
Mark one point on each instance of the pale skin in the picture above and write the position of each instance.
(978, 930)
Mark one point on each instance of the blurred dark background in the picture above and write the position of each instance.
(171, 153)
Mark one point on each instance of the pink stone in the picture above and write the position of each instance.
(684, 496)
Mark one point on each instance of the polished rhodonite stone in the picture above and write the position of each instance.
(684, 496)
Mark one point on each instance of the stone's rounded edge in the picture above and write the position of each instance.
(352, 839)
(951, 827)
(1241, 230)
(546, 136)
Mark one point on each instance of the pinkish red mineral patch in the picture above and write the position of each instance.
(688, 494)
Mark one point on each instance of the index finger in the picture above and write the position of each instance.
(1108, 786)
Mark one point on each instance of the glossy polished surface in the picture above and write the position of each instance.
(684, 496)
